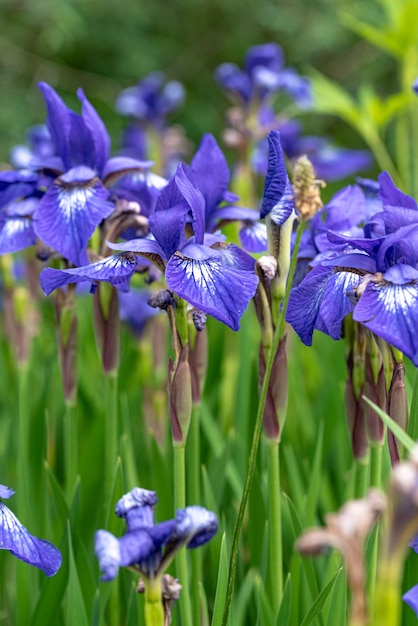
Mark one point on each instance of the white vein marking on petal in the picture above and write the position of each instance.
(397, 297)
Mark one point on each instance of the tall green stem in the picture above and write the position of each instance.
(181, 558)
(275, 553)
(25, 580)
(111, 433)
(278, 335)
(193, 464)
(388, 596)
(70, 445)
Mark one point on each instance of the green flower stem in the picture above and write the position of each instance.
(376, 451)
(388, 596)
(382, 156)
(362, 476)
(25, 575)
(111, 433)
(275, 552)
(278, 335)
(70, 445)
(181, 558)
(153, 610)
(193, 464)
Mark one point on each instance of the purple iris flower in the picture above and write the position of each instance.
(216, 278)
(147, 546)
(39, 146)
(18, 540)
(262, 75)
(377, 281)
(330, 162)
(152, 99)
(77, 200)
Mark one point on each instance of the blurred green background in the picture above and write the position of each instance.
(104, 45)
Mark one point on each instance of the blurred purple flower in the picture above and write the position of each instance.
(152, 99)
(262, 75)
(147, 546)
(18, 540)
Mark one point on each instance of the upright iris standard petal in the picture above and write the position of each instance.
(278, 200)
(99, 136)
(58, 123)
(390, 311)
(70, 211)
(18, 540)
(195, 200)
(211, 285)
(168, 227)
(390, 195)
(116, 269)
(210, 173)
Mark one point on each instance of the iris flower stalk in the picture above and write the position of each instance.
(279, 203)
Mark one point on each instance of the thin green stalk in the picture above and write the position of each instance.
(376, 451)
(111, 433)
(362, 476)
(193, 464)
(25, 576)
(70, 445)
(181, 558)
(382, 156)
(278, 335)
(275, 553)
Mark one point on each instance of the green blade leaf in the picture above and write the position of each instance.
(318, 605)
(221, 585)
(399, 433)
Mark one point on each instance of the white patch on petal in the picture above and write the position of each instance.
(74, 201)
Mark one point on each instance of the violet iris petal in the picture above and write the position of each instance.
(195, 201)
(18, 540)
(116, 269)
(58, 123)
(16, 226)
(99, 136)
(135, 310)
(278, 200)
(67, 215)
(168, 228)
(390, 311)
(210, 173)
(212, 286)
(389, 193)
(16, 184)
(253, 237)
(411, 598)
(268, 55)
(234, 80)
(6, 492)
(313, 303)
(195, 526)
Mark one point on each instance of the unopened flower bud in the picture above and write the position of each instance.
(162, 299)
(180, 397)
(106, 325)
